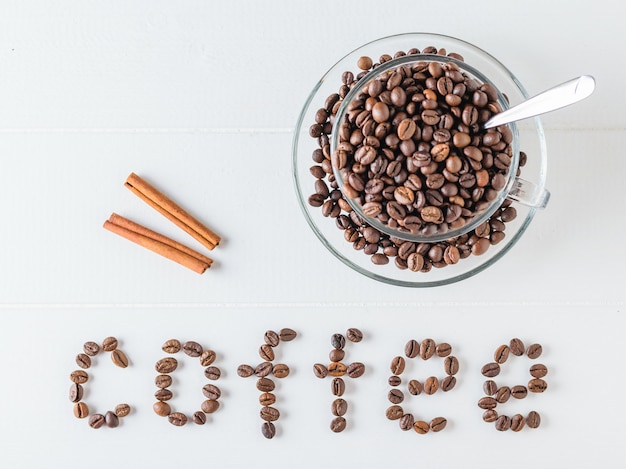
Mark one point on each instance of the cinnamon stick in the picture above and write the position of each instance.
(158, 243)
(171, 210)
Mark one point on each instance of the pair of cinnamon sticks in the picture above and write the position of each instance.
(157, 242)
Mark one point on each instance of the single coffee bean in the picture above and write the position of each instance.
(192, 349)
(364, 62)
(490, 387)
(245, 371)
(490, 415)
(122, 410)
(76, 392)
(412, 347)
(268, 430)
(79, 376)
(517, 422)
(395, 396)
(96, 420)
(109, 344)
(534, 351)
(166, 365)
(338, 341)
(339, 407)
(271, 338)
(406, 422)
(537, 385)
(354, 335)
(336, 355)
(338, 424)
(487, 403)
(280, 370)
(502, 394)
(320, 370)
(161, 408)
(448, 383)
(355, 370)
(211, 391)
(199, 417)
(337, 369)
(171, 346)
(415, 387)
(119, 358)
(397, 365)
(490, 370)
(519, 391)
(431, 385)
(265, 385)
(516, 347)
(263, 369)
(209, 406)
(111, 420)
(163, 395)
(287, 334)
(338, 387)
(266, 352)
(207, 357)
(178, 419)
(83, 360)
(212, 372)
(533, 420)
(443, 349)
(81, 410)
(451, 365)
(501, 354)
(503, 423)
(394, 380)
(267, 399)
(91, 348)
(438, 423)
(538, 370)
(427, 348)
(394, 412)
(421, 427)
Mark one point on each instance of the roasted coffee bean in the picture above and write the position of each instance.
(339, 407)
(490, 415)
(397, 365)
(438, 423)
(364, 62)
(245, 371)
(122, 410)
(212, 372)
(76, 392)
(263, 369)
(266, 352)
(199, 417)
(394, 380)
(537, 385)
(338, 387)
(533, 420)
(490, 370)
(501, 354)
(338, 341)
(336, 355)
(519, 392)
(355, 370)
(431, 385)
(81, 410)
(336, 369)
(96, 420)
(166, 365)
(490, 387)
(320, 370)
(394, 412)
(534, 351)
(451, 365)
(207, 357)
(83, 360)
(268, 430)
(171, 346)
(91, 348)
(212, 392)
(395, 396)
(79, 376)
(503, 423)
(111, 420)
(354, 335)
(280, 370)
(502, 394)
(487, 403)
(267, 399)
(412, 348)
(163, 395)
(538, 370)
(109, 344)
(338, 424)
(406, 422)
(161, 408)
(271, 338)
(517, 422)
(448, 383)
(177, 419)
(516, 347)
(415, 387)
(421, 427)
(209, 406)
(427, 348)
(265, 385)
(119, 358)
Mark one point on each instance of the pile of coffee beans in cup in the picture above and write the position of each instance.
(268, 413)
(79, 377)
(337, 370)
(413, 154)
(425, 350)
(165, 366)
(500, 394)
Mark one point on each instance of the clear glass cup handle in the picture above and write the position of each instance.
(529, 193)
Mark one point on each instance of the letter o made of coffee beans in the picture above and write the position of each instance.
(426, 349)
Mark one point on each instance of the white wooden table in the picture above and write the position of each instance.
(202, 98)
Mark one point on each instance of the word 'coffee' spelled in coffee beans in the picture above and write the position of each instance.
(499, 395)
(337, 369)
(110, 419)
(163, 381)
(271, 340)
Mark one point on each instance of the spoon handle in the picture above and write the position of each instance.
(555, 98)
